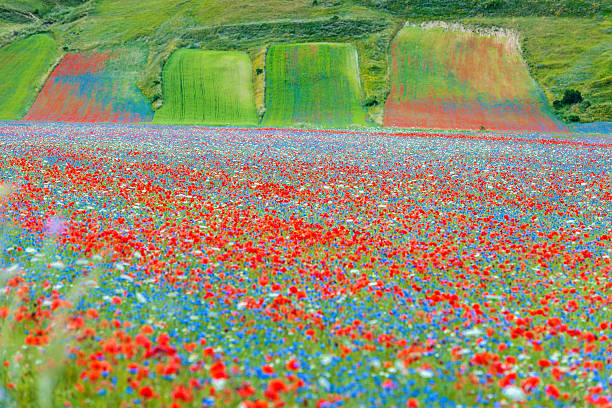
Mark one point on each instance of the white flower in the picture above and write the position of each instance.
(426, 373)
(514, 393)
(324, 384)
(401, 367)
(475, 332)
(219, 384)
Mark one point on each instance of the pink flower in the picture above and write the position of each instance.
(55, 226)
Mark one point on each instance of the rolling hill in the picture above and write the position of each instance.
(566, 43)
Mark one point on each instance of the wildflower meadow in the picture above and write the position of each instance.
(145, 266)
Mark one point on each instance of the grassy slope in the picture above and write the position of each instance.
(122, 20)
(23, 66)
(207, 87)
(566, 53)
(38, 7)
(22, 5)
(465, 8)
(313, 85)
(482, 81)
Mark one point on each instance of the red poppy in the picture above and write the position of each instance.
(146, 392)
(552, 391)
(293, 365)
(412, 403)
(182, 393)
(217, 371)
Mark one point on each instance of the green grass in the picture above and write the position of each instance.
(313, 84)
(567, 53)
(7, 28)
(38, 7)
(23, 67)
(207, 87)
(124, 20)
(19, 9)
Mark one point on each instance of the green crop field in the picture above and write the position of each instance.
(313, 84)
(23, 66)
(207, 87)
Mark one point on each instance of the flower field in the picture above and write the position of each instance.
(94, 87)
(170, 267)
(443, 78)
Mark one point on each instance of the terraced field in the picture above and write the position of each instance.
(94, 87)
(23, 66)
(566, 43)
(207, 87)
(315, 84)
(447, 79)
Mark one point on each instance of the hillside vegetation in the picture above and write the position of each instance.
(313, 84)
(209, 88)
(164, 26)
(23, 66)
(448, 8)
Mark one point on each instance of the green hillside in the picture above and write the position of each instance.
(19, 17)
(566, 43)
(209, 88)
(23, 67)
(313, 84)
(24, 11)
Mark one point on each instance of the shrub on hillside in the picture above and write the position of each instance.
(571, 97)
(371, 101)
